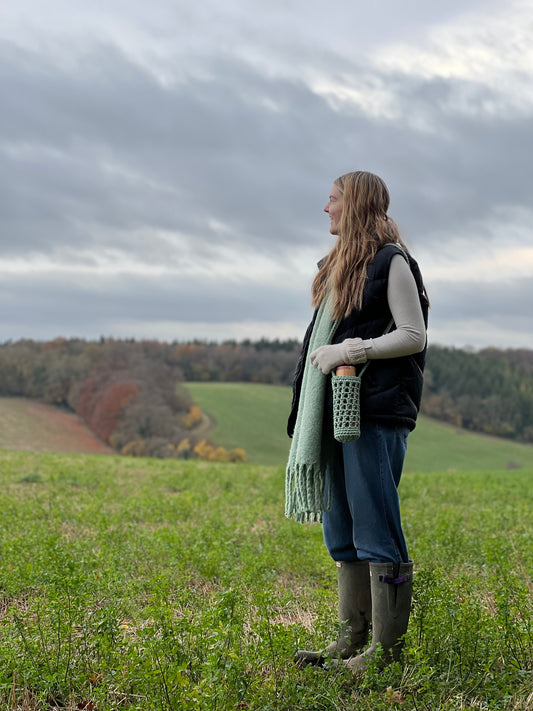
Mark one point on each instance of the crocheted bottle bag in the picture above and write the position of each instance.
(346, 413)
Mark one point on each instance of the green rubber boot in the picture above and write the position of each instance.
(353, 581)
(391, 586)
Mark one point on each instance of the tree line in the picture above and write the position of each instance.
(131, 394)
(490, 391)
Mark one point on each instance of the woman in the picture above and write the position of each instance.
(370, 305)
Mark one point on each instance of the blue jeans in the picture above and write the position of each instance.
(363, 520)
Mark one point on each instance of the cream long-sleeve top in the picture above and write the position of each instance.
(410, 334)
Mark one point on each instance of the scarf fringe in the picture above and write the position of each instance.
(304, 493)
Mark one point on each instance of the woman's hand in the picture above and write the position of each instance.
(350, 352)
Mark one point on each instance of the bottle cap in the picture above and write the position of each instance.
(345, 370)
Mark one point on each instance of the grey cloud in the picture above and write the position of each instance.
(507, 302)
(98, 153)
(211, 149)
(88, 307)
(198, 150)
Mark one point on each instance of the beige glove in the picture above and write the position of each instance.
(349, 352)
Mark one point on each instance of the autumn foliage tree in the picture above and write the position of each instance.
(205, 450)
(193, 417)
(102, 410)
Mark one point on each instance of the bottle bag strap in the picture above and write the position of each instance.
(387, 330)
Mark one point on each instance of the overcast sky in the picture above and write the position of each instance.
(164, 165)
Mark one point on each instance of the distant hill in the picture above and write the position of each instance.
(254, 416)
(34, 426)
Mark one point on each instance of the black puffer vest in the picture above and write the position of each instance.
(391, 388)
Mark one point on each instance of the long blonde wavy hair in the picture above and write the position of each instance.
(364, 228)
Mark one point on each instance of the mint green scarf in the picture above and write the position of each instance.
(306, 468)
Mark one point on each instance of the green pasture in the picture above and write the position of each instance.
(248, 415)
(178, 585)
(254, 417)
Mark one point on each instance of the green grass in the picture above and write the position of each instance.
(255, 417)
(247, 415)
(174, 585)
(436, 446)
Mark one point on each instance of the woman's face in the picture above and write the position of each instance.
(334, 210)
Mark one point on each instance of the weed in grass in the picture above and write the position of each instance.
(31, 478)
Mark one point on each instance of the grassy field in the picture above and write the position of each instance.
(173, 585)
(179, 585)
(255, 416)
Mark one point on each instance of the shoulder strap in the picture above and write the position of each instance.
(398, 246)
(389, 327)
